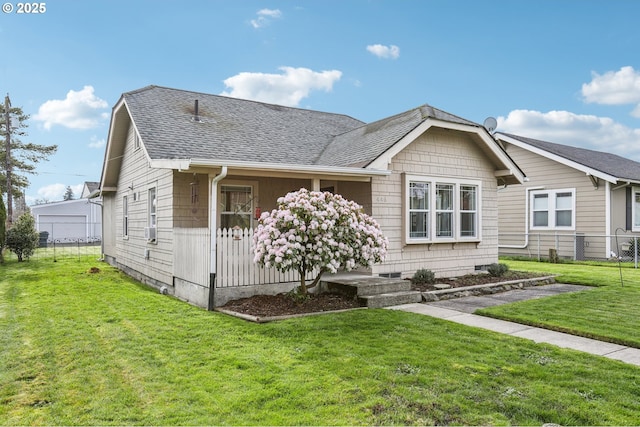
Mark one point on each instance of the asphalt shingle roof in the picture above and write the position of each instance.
(611, 164)
(365, 143)
(241, 130)
(229, 128)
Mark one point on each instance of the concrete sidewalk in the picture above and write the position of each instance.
(460, 311)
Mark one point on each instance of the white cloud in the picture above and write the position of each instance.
(97, 143)
(614, 88)
(264, 17)
(578, 130)
(385, 52)
(55, 192)
(288, 88)
(79, 110)
(52, 192)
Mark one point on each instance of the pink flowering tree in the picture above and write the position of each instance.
(312, 230)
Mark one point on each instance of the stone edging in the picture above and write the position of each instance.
(486, 289)
(265, 319)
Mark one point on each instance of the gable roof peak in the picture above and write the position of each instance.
(621, 168)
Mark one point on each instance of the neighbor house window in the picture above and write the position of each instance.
(153, 202)
(136, 140)
(125, 217)
(441, 210)
(237, 206)
(635, 207)
(553, 209)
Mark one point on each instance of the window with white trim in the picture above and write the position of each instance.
(553, 209)
(153, 202)
(468, 210)
(635, 207)
(441, 210)
(237, 206)
(125, 217)
(419, 210)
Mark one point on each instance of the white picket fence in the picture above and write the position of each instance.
(191, 254)
(235, 266)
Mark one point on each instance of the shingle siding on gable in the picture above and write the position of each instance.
(447, 155)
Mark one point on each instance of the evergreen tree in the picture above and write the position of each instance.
(17, 158)
(3, 228)
(68, 194)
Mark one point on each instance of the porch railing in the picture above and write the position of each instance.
(235, 266)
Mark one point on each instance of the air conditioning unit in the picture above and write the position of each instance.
(150, 234)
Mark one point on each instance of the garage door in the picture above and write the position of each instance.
(63, 227)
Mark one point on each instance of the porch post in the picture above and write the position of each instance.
(315, 184)
(213, 228)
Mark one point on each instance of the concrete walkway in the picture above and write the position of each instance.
(460, 310)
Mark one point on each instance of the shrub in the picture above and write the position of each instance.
(321, 231)
(423, 277)
(22, 239)
(497, 270)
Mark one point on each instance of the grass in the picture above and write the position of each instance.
(78, 348)
(608, 312)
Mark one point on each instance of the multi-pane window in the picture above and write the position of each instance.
(152, 208)
(553, 209)
(419, 210)
(468, 210)
(125, 216)
(444, 210)
(441, 211)
(540, 210)
(237, 206)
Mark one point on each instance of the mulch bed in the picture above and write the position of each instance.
(285, 304)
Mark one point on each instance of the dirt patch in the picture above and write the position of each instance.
(93, 270)
(285, 304)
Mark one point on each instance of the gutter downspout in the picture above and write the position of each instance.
(213, 227)
(526, 221)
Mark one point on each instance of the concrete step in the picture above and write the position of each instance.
(368, 286)
(390, 299)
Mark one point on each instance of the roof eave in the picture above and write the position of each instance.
(563, 160)
(508, 173)
(189, 164)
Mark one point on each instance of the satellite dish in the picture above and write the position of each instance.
(490, 124)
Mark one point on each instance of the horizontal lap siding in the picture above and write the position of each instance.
(437, 154)
(550, 175)
(135, 180)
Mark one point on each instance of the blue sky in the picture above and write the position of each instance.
(565, 71)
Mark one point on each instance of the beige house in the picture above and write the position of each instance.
(186, 175)
(585, 204)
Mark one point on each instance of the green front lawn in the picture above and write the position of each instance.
(81, 348)
(607, 312)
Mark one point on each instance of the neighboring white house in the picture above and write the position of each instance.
(71, 220)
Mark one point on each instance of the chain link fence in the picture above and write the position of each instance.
(622, 246)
